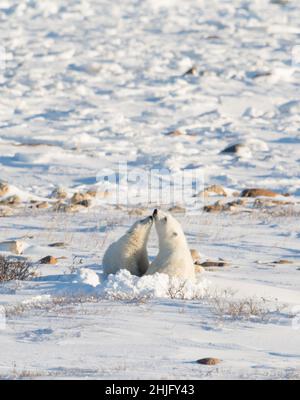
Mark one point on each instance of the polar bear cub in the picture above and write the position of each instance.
(130, 251)
(174, 257)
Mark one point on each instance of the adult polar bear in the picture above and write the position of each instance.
(174, 256)
(130, 251)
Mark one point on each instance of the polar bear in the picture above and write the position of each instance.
(174, 257)
(130, 251)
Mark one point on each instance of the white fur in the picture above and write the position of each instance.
(130, 251)
(174, 257)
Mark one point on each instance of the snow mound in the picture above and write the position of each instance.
(291, 107)
(257, 145)
(22, 194)
(37, 299)
(88, 277)
(124, 286)
(82, 140)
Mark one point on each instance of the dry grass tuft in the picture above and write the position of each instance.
(11, 270)
(257, 309)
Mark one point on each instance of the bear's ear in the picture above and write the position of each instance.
(165, 219)
(175, 234)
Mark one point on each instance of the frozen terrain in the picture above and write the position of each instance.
(88, 84)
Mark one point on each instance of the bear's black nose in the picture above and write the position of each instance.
(155, 212)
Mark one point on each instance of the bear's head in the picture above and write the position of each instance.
(140, 230)
(168, 228)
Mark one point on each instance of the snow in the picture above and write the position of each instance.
(88, 277)
(89, 85)
(125, 285)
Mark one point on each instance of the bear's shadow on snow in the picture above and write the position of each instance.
(62, 285)
(59, 278)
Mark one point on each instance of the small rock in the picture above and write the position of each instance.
(85, 203)
(260, 74)
(280, 2)
(14, 246)
(57, 244)
(213, 37)
(14, 200)
(4, 188)
(43, 204)
(209, 361)
(195, 255)
(59, 206)
(137, 212)
(235, 149)
(217, 207)
(92, 193)
(6, 212)
(233, 204)
(283, 262)
(191, 71)
(59, 193)
(214, 264)
(174, 133)
(11, 201)
(68, 208)
(216, 189)
(80, 198)
(258, 192)
(229, 206)
(100, 194)
(177, 210)
(260, 203)
(48, 260)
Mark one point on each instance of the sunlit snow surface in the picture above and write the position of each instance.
(85, 85)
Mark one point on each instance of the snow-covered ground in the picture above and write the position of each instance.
(88, 84)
